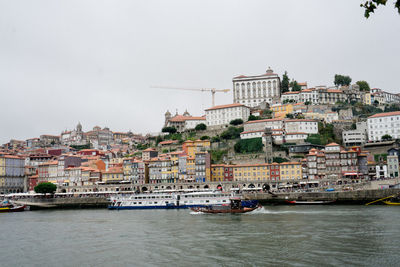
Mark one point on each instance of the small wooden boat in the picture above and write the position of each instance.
(12, 208)
(309, 202)
(234, 207)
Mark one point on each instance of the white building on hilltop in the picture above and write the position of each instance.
(253, 90)
(382, 124)
(224, 114)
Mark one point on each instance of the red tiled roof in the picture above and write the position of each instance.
(226, 106)
(266, 120)
(332, 144)
(385, 114)
(181, 118)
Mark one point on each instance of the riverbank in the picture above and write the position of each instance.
(359, 197)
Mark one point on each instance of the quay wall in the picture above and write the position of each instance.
(340, 197)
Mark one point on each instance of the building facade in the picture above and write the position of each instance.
(254, 90)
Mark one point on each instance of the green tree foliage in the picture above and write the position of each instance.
(251, 145)
(279, 160)
(236, 122)
(205, 137)
(295, 86)
(170, 130)
(215, 139)
(254, 118)
(364, 86)
(144, 146)
(325, 135)
(231, 133)
(285, 83)
(392, 107)
(217, 155)
(307, 103)
(386, 137)
(290, 116)
(364, 111)
(342, 80)
(371, 5)
(45, 188)
(200, 127)
(315, 139)
(80, 147)
(267, 113)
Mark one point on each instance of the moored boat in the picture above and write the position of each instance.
(168, 200)
(8, 207)
(391, 203)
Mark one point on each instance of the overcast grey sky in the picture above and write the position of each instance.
(62, 62)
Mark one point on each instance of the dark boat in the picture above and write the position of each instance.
(309, 202)
(234, 207)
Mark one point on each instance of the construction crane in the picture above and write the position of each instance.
(212, 90)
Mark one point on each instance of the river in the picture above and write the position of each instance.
(274, 235)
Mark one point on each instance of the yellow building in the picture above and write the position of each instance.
(174, 156)
(280, 111)
(367, 98)
(2, 166)
(217, 172)
(251, 172)
(113, 175)
(291, 171)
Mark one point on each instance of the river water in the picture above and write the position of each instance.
(274, 236)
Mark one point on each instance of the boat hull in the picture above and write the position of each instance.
(12, 209)
(231, 211)
(391, 203)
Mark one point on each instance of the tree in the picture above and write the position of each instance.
(289, 116)
(307, 103)
(386, 137)
(371, 5)
(295, 86)
(285, 83)
(200, 127)
(205, 137)
(236, 122)
(231, 133)
(279, 160)
(250, 145)
(215, 139)
(342, 80)
(170, 130)
(364, 86)
(254, 118)
(45, 188)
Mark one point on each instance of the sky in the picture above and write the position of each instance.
(94, 62)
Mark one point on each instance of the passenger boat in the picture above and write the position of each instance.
(165, 200)
(234, 207)
(309, 202)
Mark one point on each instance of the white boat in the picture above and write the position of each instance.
(177, 200)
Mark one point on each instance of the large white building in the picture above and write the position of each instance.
(254, 90)
(384, 123)
(224, 114)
